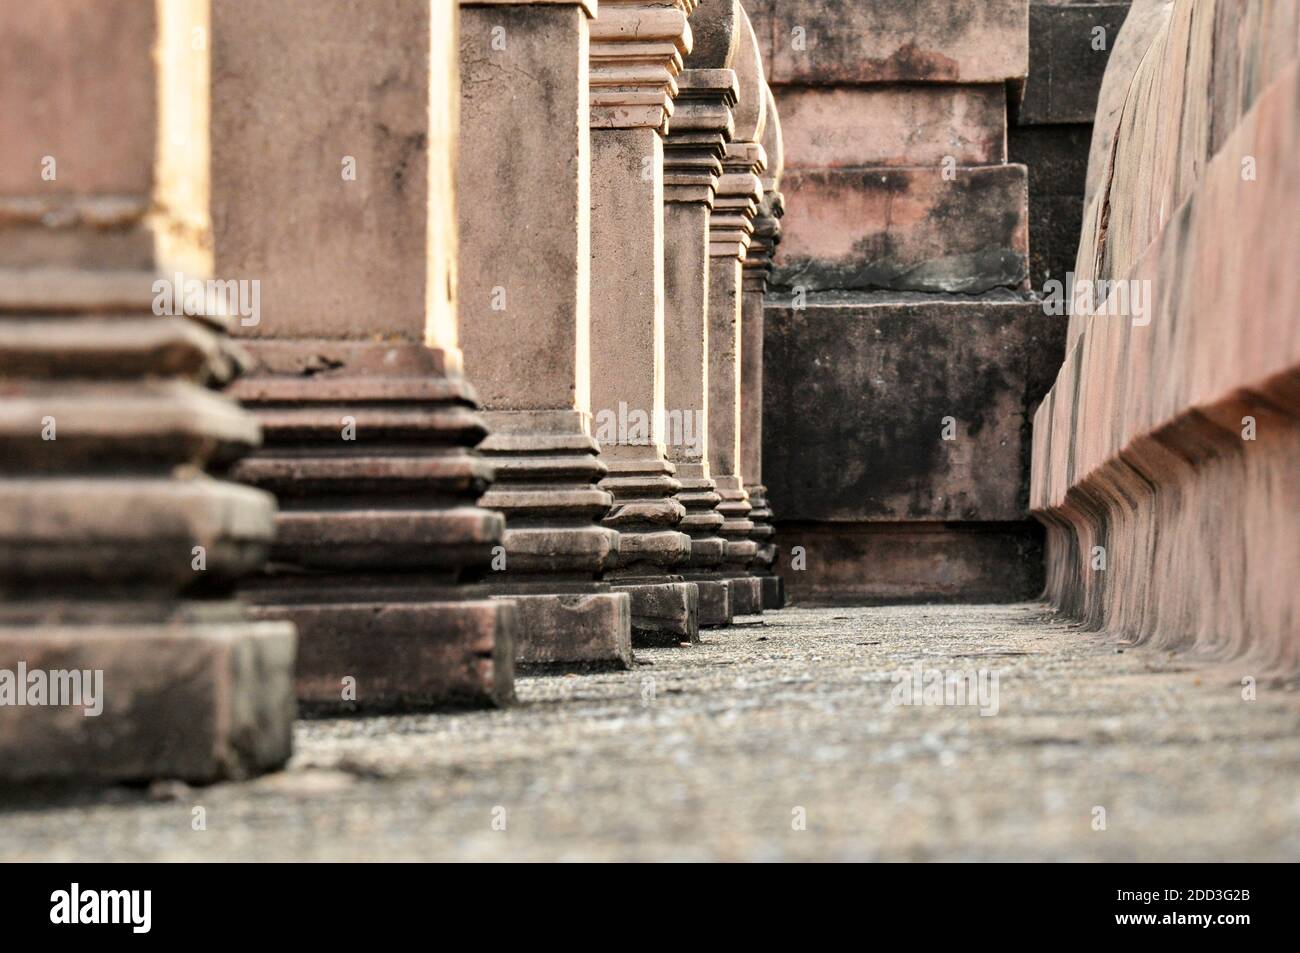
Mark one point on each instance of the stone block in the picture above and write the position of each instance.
(714, 601)
(401, 656)
(746, 595)
(198, 700)
(773, 592)
(893, 125)
(880, 563)
(1067, 59)
(573, 631)
(849, 42)
(664, 613)
(905, 229)
(1057, 159)
(855, 423)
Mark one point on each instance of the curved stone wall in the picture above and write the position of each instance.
(1165, 454)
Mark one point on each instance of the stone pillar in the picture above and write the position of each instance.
(756, 270)
(334, 184)
(636, 54)
(698, 134)
(123, 655)
(524, 226)
(731, 227)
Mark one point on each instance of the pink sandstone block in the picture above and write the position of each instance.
(906, 229)
(846, 42)
(893, 125)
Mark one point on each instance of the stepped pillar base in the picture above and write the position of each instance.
(547, 467)
(664, 613)
(773, 592)
(648, 517)
(746, 595)
(587, 628)
(714, 599)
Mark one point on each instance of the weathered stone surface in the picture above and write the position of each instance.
(376, 539)
(877, 563)
(848, 42)
(905, 514)
(524, 206)
(195, 699)
(1057, 159)
(637, 48)
(724, 355)
(1067, 59)
(547, 470)
(1145, 19)
(645, 513)
(878, 376)
(746, 595)
(714, 600)
(663, 613)
(890, 125)
(754, 283)
(98, 121)
(686, 254)
(581, 630)
(1053, 125)
(903, 261)
(636, 55)
(714, 35)
(60, 527)
(334, 154)
(527, 316)
(773, 592)
(402, 656)
(694, 148)
(1183, 488)
(905, 229)
(731, 228)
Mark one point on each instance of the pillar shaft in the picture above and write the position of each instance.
(370, 427)
(636, 56)
(757, 269)
(701, 126)
(731, 229)
(524, 226)
(118, 549)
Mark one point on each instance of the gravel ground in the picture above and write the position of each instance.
(778, 738)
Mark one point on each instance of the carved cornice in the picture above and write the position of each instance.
(731, 226)
(767, 224)
(637, 48)
(701, 128)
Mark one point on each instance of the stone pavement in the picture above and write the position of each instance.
(708, 752)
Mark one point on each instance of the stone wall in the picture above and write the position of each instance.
(1165, 453)
(1070, 42)
(904, 352)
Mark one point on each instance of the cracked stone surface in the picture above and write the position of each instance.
(708, 752)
